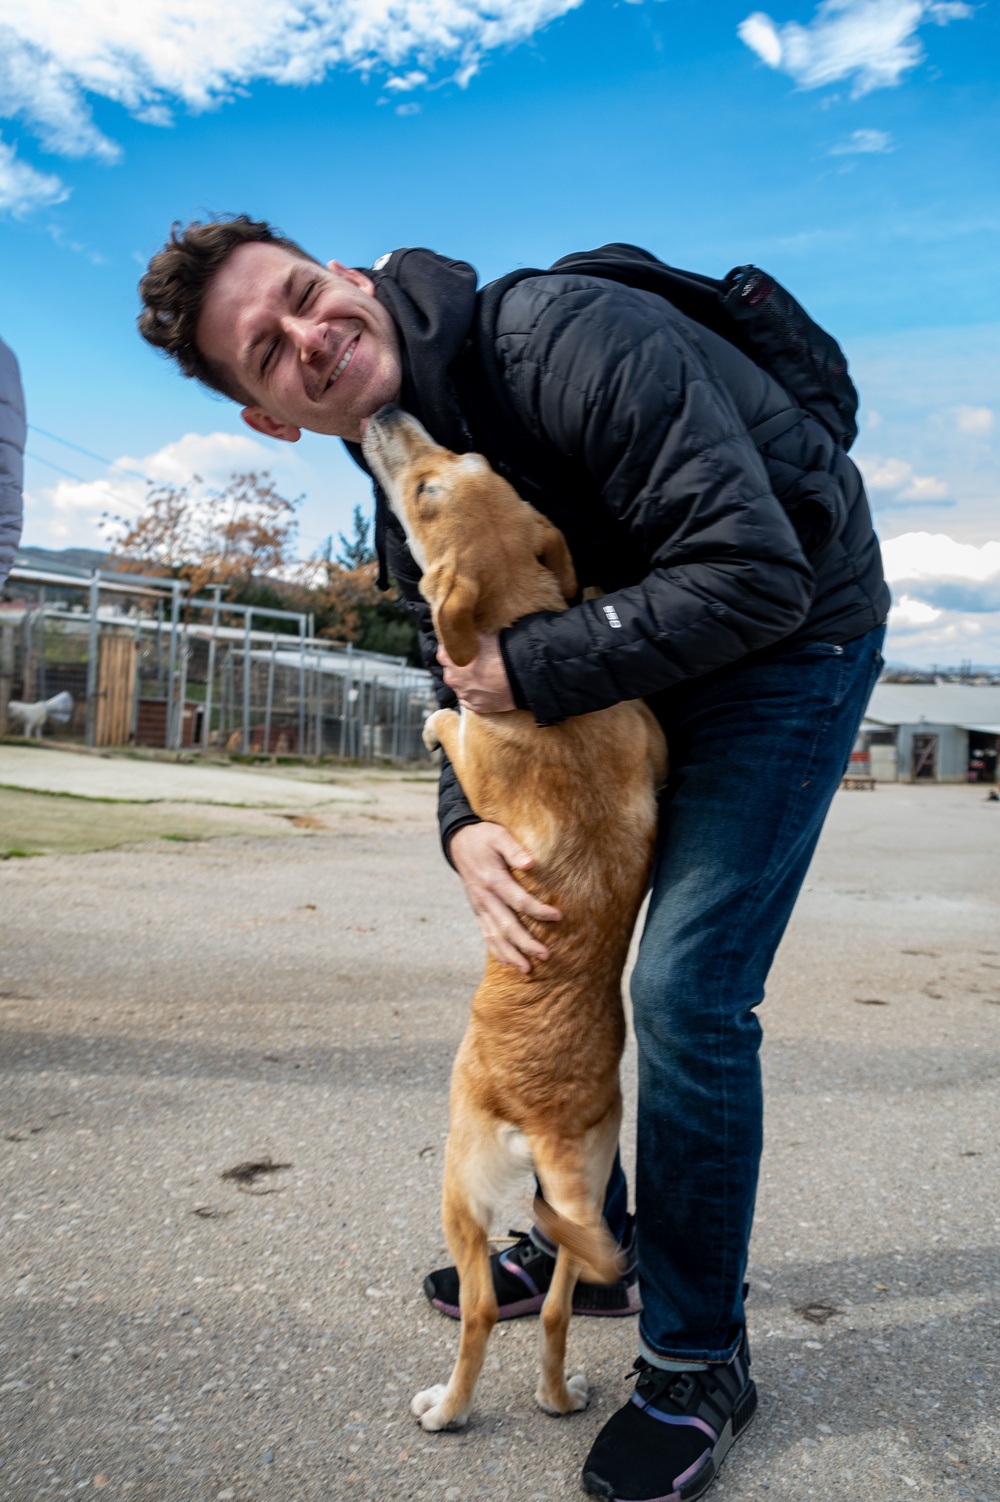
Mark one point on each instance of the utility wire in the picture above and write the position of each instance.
(102, 460)
(89, 453)
(112, 494)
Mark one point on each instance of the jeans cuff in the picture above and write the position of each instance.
(695, 1359)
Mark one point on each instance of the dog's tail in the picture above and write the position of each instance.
(600, 1258)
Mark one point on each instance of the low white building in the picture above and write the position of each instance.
(933, 732)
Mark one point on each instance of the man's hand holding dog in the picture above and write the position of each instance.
(485, 856)
(482, 685)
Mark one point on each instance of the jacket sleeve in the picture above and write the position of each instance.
(454, 809)
(612, 377)
(12, 437)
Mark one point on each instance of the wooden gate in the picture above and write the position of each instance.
(115, 689)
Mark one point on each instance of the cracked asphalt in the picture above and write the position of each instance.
(258, 989)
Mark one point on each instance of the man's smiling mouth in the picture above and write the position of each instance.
(344, 362)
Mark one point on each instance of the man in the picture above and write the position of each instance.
(12, 436)
(758, 661)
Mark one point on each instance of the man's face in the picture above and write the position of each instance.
(308, 343)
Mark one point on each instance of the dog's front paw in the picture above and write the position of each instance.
(430, 1408)
(430, 738)
(573, 1399)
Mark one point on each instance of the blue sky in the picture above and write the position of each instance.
(850, 147)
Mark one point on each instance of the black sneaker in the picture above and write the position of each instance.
(668, 1443)
(522, 1274)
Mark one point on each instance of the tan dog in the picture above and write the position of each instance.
(535, 1082)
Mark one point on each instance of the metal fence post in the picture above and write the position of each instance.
(319, 704)
(206, 726)
(159, 649)
(42, 686)
(182, 675)
(302, 685)
(6, 671)
(92, 649)
(270, 694)
(246, 682)
(175, 612)
(345, 685)
(136, 681)
(373, 718)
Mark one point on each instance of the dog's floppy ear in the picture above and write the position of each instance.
(550, 547)
(454, 620)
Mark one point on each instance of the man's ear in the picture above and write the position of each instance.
(352, 274)
(454, 621)
(551, 549)
(271, 427)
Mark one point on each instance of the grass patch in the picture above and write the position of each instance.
(10, 787)
(45, 824)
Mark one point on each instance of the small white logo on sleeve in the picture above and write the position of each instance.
(612, 615)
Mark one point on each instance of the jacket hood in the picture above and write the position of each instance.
(432, 301)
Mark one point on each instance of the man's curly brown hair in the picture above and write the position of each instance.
(174, 287)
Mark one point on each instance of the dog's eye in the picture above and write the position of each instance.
(420, 489)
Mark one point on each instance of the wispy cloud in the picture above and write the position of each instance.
(874, 43)
(977, 421)
(22, 188)
(898, 481)
(196, 54)
(863, 142)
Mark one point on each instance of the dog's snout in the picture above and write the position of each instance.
(392, 439)
(388, 417)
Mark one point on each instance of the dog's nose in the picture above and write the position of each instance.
(388, 417)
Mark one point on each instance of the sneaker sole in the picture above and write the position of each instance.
(632, 1305)
(696, 1485)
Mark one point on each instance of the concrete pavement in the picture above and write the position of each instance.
(174, 1009)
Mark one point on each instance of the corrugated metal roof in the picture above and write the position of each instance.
(965, 704)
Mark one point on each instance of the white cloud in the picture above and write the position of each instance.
(22, 188)
(74, 508)
(947, 599)
(872, 42)
(863, 142)
(761, 36)
(58, 55)
(909, 612)
(935, 556)
(898, 479)
(974, 420)
(69, 513)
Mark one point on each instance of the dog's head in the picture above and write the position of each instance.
(487, 556)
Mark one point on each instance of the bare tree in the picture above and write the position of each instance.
(227, 537)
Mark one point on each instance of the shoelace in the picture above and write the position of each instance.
(523, 1249)
(678, 1388)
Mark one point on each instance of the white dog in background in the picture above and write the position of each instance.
(33, 716)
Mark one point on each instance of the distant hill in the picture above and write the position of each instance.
(68, 560)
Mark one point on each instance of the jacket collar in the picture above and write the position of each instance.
(432, 301)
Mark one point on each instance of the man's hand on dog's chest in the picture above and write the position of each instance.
(482, 685)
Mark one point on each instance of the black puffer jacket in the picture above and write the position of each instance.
(668, 505)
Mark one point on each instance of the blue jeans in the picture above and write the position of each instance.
(757, 752)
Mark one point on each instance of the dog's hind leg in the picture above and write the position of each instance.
(477, 1165)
